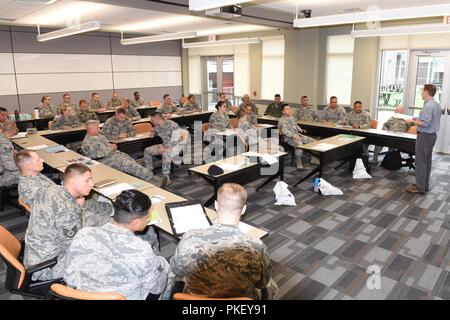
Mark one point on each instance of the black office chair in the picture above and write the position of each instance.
(288, 148)
(5, 196)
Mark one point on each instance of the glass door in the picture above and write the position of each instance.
(219, 78)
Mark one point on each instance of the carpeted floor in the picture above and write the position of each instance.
(321, 248)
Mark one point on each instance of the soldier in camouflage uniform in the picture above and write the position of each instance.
(95, 104)
(246, 101)
(274, 109)
(167, 107)
(171, 135)
(66, 119)
(9, 173)
(219, 119)
(96, 146)
(393, 124)
(118, 126)
(130, 111)
(138, 101)
(55, 219)
(112, 259)
(3, 117)
(252, 117)
(223, 261)
(305, 112)
(223, 98)
(333, 112)
(358, 118)
(293, 135)
(114, 101)
(67, 103)
(45, 108)
(84, 114)
(191, 105)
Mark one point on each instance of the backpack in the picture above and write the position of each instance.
(392, 160)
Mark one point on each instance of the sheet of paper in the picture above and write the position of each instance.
(55, 149)
(153, 218)
(157, 198)
(188, 218)
(38, 147)
(19, 135)
(115, 189)
(265, 125)
(245, 228)
(229, 166)
(402, 116)
(269, 159)
(323, 147)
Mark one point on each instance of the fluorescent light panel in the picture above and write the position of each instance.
(82, 28)
(198, 5)
(403, 30)
(221, 42)
(381, 15)
(158, 38)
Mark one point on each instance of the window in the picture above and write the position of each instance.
(272, 73)
(391, 88)
(339, 68)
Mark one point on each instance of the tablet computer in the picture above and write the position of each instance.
(187, 215)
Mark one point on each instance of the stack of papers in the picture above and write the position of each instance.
(323, 147)
(402, 116)
(84, 160)
(270, 159)
(56, 149)
(19, 135)
(38, 147)
(116, 189)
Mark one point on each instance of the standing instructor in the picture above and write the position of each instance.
(427, 126)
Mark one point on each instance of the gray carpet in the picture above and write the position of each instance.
(322, 248)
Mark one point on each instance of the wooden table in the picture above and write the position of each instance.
(58, 159)
(32, 141)
(342, 146)
(38, 123)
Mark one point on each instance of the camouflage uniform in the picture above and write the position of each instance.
(192, 107)
(112, 128)
(112, 104)
(9, 173)
(94, 105)
(28, 186)
(168, 131)
(252, 118)
(167, 108)
(138, 103)
(75, 109)
(362, 119)
(305, 114)
(131, 112)
(45, 111)
(334, 115)
(112, 259)
(244, 125)
(254, 107)
(54, 221)
(229, 105)
(393, 124)
(219, 121)
(62, 121)
(290, 130)
(274, 110)
(222, 262)
(85, 116)
(98, 148)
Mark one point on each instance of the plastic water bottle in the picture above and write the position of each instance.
(36, 113)
(316, 184)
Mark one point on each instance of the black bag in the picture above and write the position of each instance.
(392, 160)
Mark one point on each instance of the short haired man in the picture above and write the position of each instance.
(305, 112)
(274, 109)
(222, 261)
(168, 106)
(114, 101)
(9, 173)
(118, 126)
(67, 103)
(246, 101)
(95, 104)
(45, 108)
(428, 124)
(96, 146)
(138, 101)
(333, 112)
(112, 259)
(55, 219)
(173, 142)
(130, 111)
(357, 118)
(3, 117)
(84, 114)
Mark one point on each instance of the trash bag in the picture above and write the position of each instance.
(282, 194)
(360, 171)
(328, 189)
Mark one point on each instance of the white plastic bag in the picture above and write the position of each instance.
(282, 194)
(360, 172)
(327, 189)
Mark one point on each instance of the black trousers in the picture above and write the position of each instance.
(424, 156)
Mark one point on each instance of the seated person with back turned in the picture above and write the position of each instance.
(55, 219)
(333, 113)
(96, 146)
(45, 108)
(112, 259)
(293, 135)
(393, 124)
(222, 261)
(9, 173)
(130, 111)
(66, 119)
(305, 112)
(118, 126)
(274, 109)
(84, 114)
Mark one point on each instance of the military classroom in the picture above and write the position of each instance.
(224, 150)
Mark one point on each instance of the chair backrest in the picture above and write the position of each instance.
(145, 127)
(374, 124)
(155, 103)
(24, 205)
(60, 291)
(186, 296)
(205, 127)
(234, 122)
(412, 129)
(50, 125)
(10, 250)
